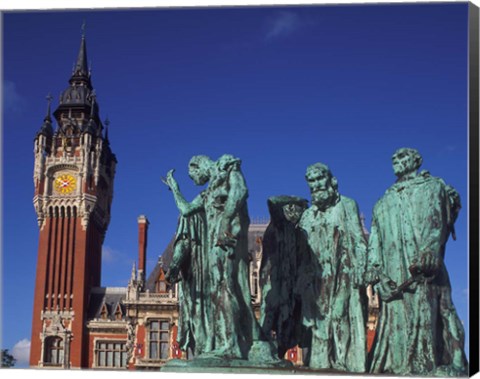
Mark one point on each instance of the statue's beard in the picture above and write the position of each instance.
(323, 198)
(404, 173)
(400, 171)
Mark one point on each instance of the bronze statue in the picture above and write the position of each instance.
(282, 242)
(331, 277)
(419, 332)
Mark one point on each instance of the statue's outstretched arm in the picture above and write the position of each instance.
(185, 208)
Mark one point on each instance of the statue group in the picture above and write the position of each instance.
(317, 262)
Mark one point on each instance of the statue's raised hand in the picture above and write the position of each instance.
(170, 180)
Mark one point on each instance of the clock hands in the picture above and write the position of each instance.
(65, 184)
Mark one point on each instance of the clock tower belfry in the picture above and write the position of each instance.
(73, 179)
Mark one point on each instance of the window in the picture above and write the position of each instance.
(53, 351)
(111, 354)
(104, 312)
(118, 312)
(159, 339)
(161, 286)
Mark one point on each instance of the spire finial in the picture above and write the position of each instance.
(46, 128)
(81, 66)
(49, 100)
(84, 26)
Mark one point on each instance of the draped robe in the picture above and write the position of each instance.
(419, 331)
(331, 271)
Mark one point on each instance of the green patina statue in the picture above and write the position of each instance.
(282, 241)
(211, 259)
(418, 331)
(314, 272)
(331, 277)
(190, 251)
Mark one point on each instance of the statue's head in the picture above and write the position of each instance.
(199, 169)
(227, 161)
(293, 211)
(323, 185)
(406, 161)
(289, 208)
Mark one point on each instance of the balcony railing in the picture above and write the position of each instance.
(169, 297)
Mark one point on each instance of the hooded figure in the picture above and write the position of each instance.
(278, 273)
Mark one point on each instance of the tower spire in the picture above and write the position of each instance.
(46, 128)
(78, 97)
(81, 71)
(49, 100)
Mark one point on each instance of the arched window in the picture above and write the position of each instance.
(53, 351)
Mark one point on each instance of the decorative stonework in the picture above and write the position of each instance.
(130, 340)
(57, 324)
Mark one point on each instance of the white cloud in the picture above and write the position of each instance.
(282, 24)
(12, 100)
(110, 255)
(21, 352)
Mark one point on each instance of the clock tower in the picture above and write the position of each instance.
(73, 179)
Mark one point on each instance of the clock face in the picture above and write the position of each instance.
(64, 184)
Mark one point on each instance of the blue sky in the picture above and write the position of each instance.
(281, 88)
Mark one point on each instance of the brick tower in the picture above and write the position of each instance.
(73, 177)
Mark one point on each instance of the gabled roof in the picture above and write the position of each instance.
(109, 298)
(163, 262)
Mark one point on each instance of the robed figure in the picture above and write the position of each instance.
(190, 264)
(211, 256)
(282, 243)
(418, 332)
(331, 277)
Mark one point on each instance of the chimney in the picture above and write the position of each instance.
(142, 247)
